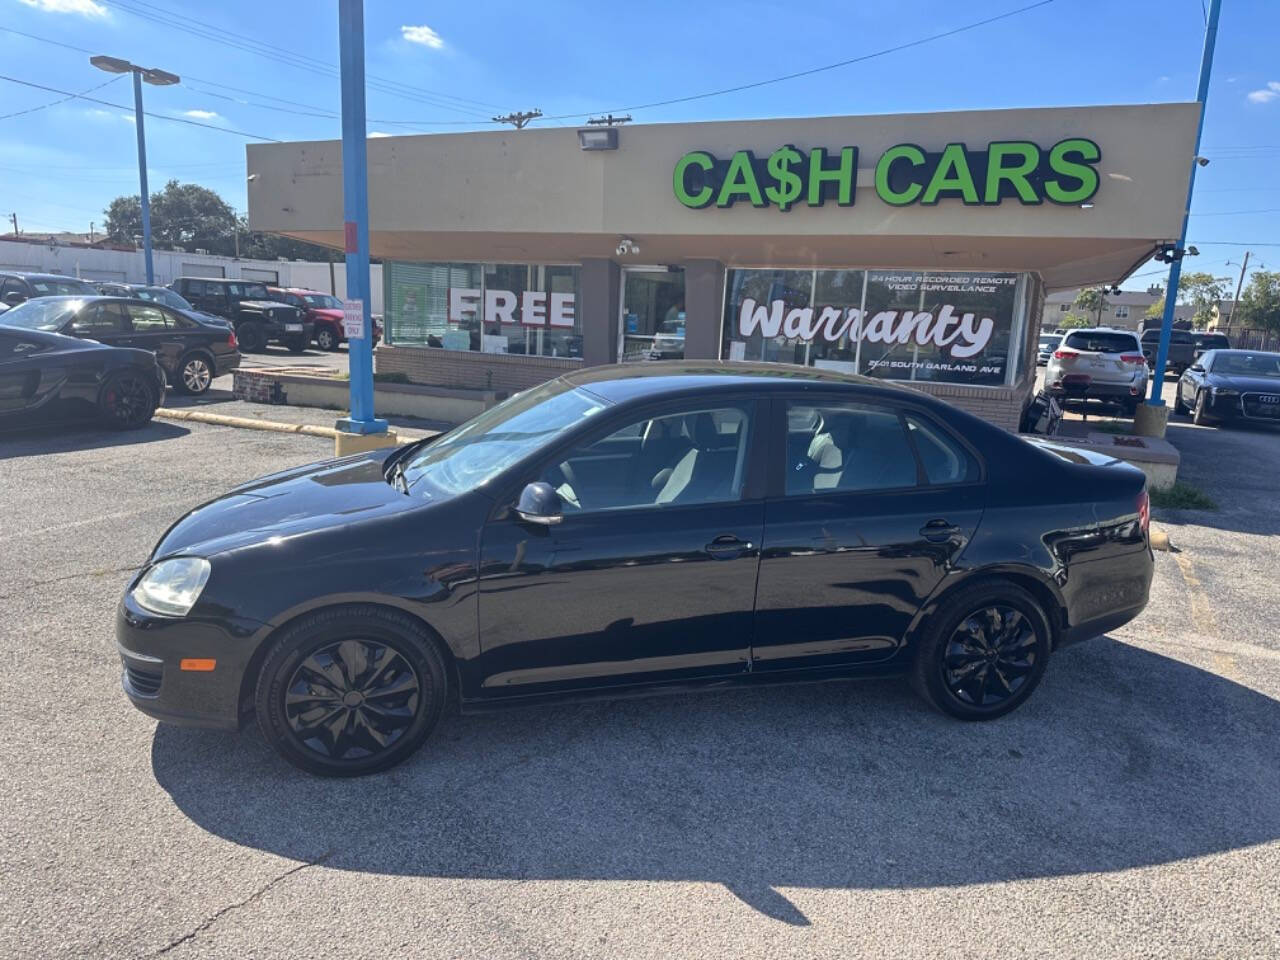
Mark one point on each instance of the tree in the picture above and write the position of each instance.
(1204, 291)
(1093, 301)
(1074, 321)
(190, 217)
(1259, 304)
(1156, 310)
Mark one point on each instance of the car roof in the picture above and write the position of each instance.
(30, 275)
(1097, 330)
(623, 383)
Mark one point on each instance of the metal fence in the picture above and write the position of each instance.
(1255, 339)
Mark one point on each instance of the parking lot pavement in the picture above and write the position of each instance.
(1131, 808)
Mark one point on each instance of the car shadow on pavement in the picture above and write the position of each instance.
(1123, 759)
(66, 437)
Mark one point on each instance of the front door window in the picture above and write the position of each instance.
(653, 315)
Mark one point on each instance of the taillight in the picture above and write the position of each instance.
(1133, 358)
(232, 342)
(1063, 354)
(1144, 510)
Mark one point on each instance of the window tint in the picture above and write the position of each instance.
(105, 318)
(13, 285)
(838, 447)
(944, 459)
(256, 291)
(1103, 342)
(193, 288)
(147, 319)
(696, 456)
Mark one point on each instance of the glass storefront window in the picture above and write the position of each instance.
(527, 309)
(939, 326)
(653, 315)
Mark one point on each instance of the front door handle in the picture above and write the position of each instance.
(937, 531)
(727, 547)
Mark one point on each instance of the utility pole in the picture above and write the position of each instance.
(519, 120)
(1156, 399)
(90, 233)
(14, 218)
(1239, 286)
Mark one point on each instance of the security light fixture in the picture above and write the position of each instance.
(1193, 251)
(625, 246)
(151, 75)
(600, 138)
(160, 78)
(1203, 161)
(111, 64)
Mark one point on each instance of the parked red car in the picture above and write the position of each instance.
(324, 311)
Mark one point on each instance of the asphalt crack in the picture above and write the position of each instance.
(79, 575)
(232, 907)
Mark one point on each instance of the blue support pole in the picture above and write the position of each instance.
(142, 175)
(1175, 269)
(355, 207)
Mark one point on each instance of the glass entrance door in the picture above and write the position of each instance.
(651, 325)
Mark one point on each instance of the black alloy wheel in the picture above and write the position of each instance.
(127, 401)
(351, 691)
(983, 652)
(252, 337)
(195, 375)
(325, 339)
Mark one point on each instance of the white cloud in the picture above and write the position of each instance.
(378, 133)
(1265, 95)
(200, 114)
(423, 35)
(86, 8)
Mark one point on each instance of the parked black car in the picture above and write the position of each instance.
(1182, 348)
(48, 377)
(617, 529)
(258, 320)
(191, 350)
(19, 287)
(1228, 385)
(1205, 341)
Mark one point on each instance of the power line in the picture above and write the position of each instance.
(54, 103)
(1234, 213)
(157, 116)
(810, 72)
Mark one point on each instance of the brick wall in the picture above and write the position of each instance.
(257, 387)
(504, 373)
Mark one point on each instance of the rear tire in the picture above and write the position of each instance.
(195, 374)
(128, 400)
(253, 339)
(351, 691)
(983, 651)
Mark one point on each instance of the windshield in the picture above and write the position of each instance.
(163, 295)
(44, 313)
(479, 450)
(1247, 364)
(322, 300)
(256, 291)
(55, 287)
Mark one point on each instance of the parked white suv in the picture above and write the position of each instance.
(1099, 364)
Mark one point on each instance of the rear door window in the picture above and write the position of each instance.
(147, 319)
(841, 447)
(1102, 342)
(102, 320)
(944, 459)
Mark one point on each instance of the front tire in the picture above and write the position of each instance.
(1200, 416)
(253, 339)
(983, 652)
(326, 339)
(351, 691)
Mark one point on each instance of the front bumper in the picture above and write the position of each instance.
(276, 331)
(152, 649)
(1244, 406)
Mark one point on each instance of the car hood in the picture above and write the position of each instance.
(305, 500)
(269, 305)
(1242, 383)
(329, 312)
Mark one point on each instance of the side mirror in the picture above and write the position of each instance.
(14, 297)
(1197, 367)
(539, 503)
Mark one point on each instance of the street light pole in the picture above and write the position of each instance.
(158, 78)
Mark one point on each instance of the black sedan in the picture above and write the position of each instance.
(48, 377)
(192, 350)
(618, 530)
(1231, 385)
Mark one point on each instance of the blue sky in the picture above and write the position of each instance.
(453, 65)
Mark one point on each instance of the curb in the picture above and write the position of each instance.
(1159, 539)
(248, 423)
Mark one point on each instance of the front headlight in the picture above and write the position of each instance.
(172, 586)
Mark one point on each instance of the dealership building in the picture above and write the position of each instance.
(916, 247)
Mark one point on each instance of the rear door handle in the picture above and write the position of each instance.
(727, 547)
(936, 531)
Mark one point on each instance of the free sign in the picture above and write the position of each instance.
(537, 308)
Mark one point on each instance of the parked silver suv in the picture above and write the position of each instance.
(1099, 364)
